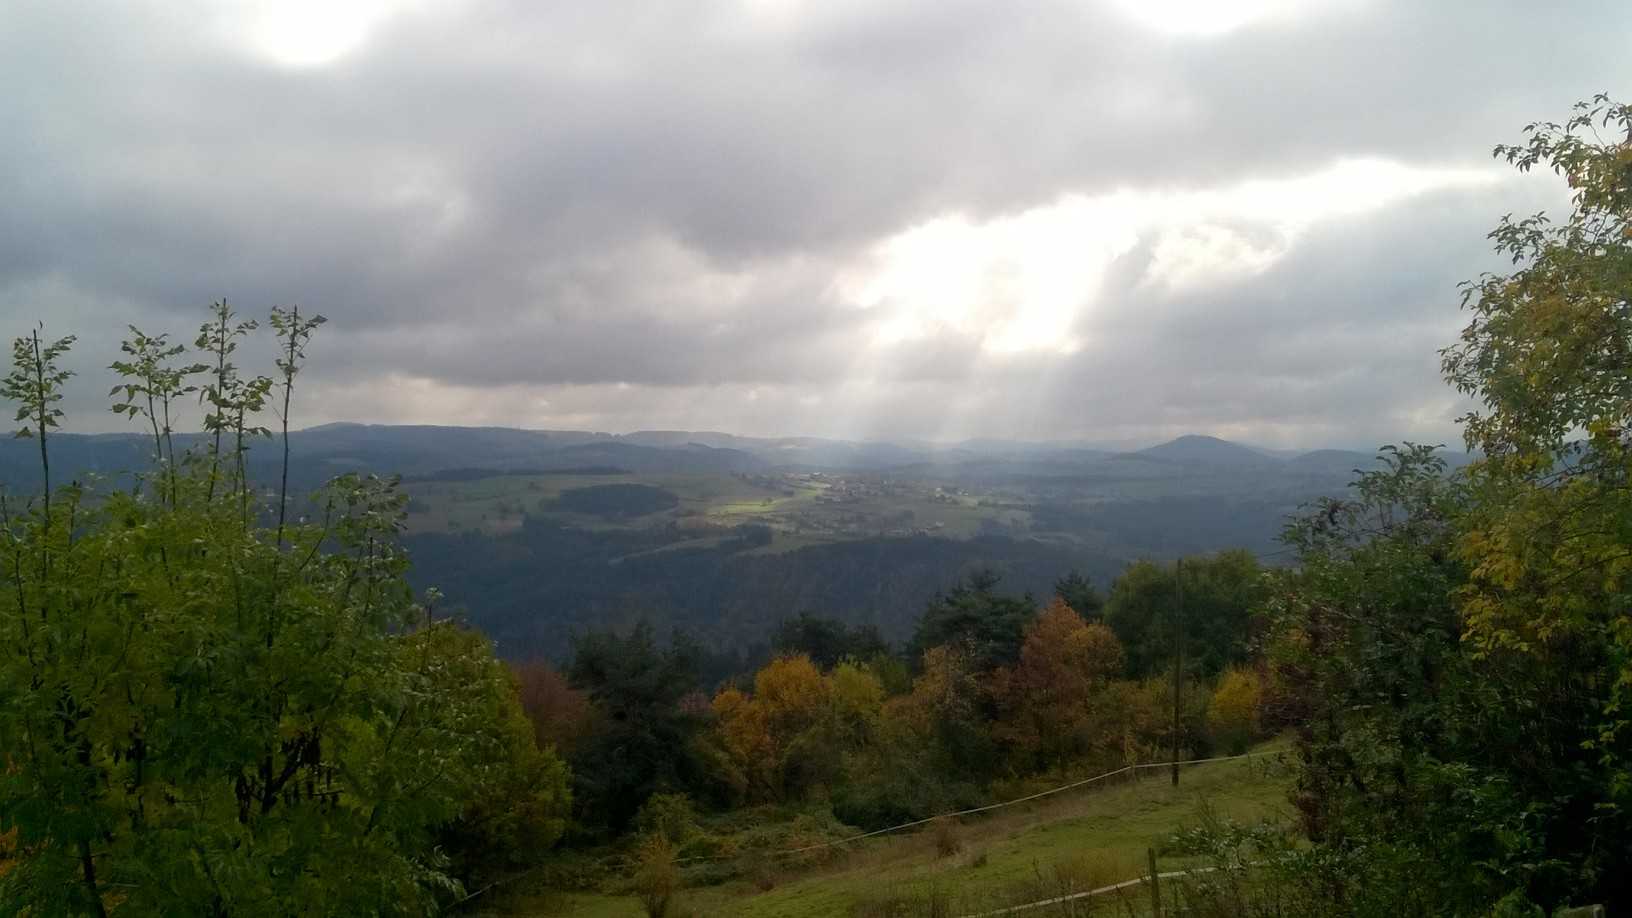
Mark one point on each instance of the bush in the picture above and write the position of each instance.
(1232, 715)
(657, 878)
(671, 816)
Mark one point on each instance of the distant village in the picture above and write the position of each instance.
(855, 504)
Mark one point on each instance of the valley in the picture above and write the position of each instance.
(535, 536)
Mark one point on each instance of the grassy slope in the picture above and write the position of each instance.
(1079, 840)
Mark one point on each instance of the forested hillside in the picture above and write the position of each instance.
(533, 589)
(537, 535)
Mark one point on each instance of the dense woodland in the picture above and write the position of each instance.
(534, 589)
(214, 702)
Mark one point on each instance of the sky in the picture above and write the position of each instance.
(930, 219)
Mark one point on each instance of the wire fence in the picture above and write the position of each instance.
(1089, 893)
(624, 862)
(1126, 769)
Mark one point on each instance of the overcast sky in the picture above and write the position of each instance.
(932, 219)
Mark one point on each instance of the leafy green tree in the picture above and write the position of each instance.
(646, 739)
(1415, 748)
(203, 717)
(233, 400)
(1455, 650)
(1078, 592)
(1548, 356)
(1220, 595)
(152, 387)
(827, 640)
(987, 624)
(931, 750)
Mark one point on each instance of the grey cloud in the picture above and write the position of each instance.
(513, 194)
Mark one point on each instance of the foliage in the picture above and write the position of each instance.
(657, 879)
(1261, 871)
(1367, 641)
(827, 640)
(858, 698)
(1079, 592)
(1417, 744)
(1232, 714)
(790, 735)
(562, 717)
(518, 806)
(646, 743)
(989, 625)
(1547, 354)
(1547, 349)
(1058, 703)
(1220, 594)
(671, 816)
(204, 716)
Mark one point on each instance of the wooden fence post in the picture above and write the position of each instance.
(1155, 885)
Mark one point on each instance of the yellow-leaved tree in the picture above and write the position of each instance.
(1548, 356)
(1232, 715)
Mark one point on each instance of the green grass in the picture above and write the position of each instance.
(1077, 840)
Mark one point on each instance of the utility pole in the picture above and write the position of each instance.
(1178, 657)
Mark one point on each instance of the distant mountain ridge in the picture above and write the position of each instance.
(417, 450)
(1198, 448)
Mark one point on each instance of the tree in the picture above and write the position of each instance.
(1057, 704)
(657, 878)
(975, 616)
(645, 743)
(1548, 356)
(947, 712)
(1220, 595)
(744, 733)
(1413, 751)
(858, 698)
(1078, 592)
(1232, 714)
(792, 733)
(792, 692)
(827, 640)
(562, 717)
(204, 717)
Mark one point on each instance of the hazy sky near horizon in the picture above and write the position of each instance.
(1116, 220)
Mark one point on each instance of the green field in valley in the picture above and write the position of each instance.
(801, 509)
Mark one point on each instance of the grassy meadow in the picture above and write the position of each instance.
(1078, 840)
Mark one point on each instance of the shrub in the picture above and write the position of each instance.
(657, 878)
(671, 816)
(1232, 715)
